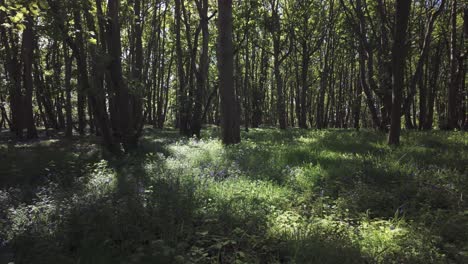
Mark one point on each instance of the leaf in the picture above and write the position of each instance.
(43, 4)
(20, 27)
(48, 72)
(92, 41)
(35, 10)
(17, 18)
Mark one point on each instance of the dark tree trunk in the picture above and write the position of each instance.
(305, 85)
(68, 95)
(96, 96)
(182, 91)
(13, 70)
(278, 58)
(463, 72)
(202, 72)
(230, 119)
(136, 97)
(82, 67)
(452, 117)
(128, 105)
(357, 103)
(27, 54)
(258, 96)
(280, 104)
(398, 66)
(433, 85)
(385, 66)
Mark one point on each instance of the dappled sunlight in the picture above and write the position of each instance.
(381, 240)
(327, 196)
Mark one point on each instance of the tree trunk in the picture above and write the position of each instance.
(230, 119)
(452, 117)
(13, 70)
(433, 80)
(182, 91)
(398, 66)
(82, 67)
(127, 115)
(68, 95)
(202, 72)
(305, 85)
(280, 104)
(27, 54)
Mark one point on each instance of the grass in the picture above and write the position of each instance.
(295, 196)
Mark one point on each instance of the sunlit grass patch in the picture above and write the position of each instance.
(295, 196)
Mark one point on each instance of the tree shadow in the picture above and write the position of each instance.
(136, 208)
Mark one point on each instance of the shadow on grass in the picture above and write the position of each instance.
(139, 209)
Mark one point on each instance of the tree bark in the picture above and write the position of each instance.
(230, 119)
(68, 95)
(27, 54)
(182, 91)
(398, 66)
(129, 116)
(202, 73)
(452, 117)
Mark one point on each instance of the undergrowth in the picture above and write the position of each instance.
(291, 196)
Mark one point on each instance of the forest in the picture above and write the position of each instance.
(233, 131)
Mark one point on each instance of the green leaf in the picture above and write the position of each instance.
(92, 41)
(17, 18)
(20, 27)
(43, 4)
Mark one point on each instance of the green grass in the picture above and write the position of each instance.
(295, 196)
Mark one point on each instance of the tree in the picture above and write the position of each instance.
(128, 103)
(230, 118)
(27, 56)
(399, 54)
(452, 118)
(182, 117)
(109, 67)
(279, 56)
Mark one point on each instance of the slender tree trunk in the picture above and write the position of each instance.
(305, 85)
(452, 118)
(4, 114)
(463, 72)
(136, 98)
(423, 103)
(280, 104)
(357, 102)
(433, 85)
(398, 66)
(27, 52)
(182, 91)
(202, 72)
(82, 64)
(68, 95)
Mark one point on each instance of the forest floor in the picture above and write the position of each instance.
(295, 196)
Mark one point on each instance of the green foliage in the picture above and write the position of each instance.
(293, 196)
(18, 11)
